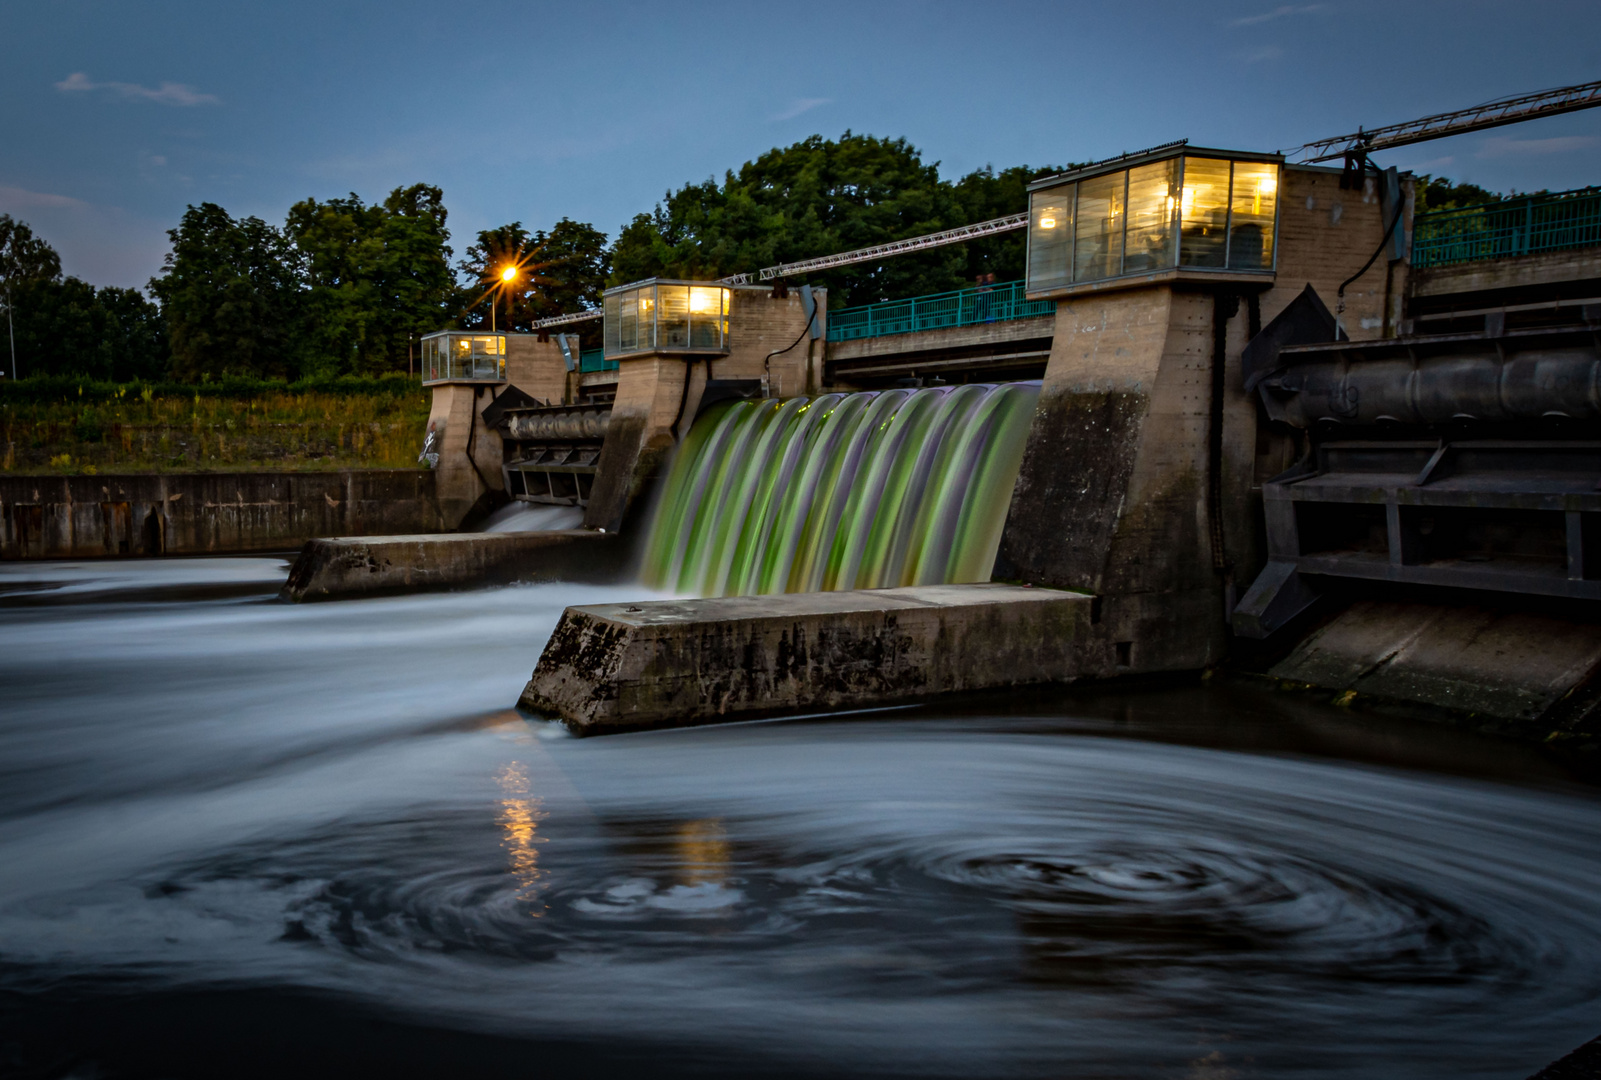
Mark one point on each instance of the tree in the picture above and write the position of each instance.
(232, 295)
(1439, 193)
(378, 276)
(65, 326)
(23, 258)
(813, 198)
(559, 272)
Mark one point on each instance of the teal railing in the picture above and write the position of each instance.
(965, 307)
(595, 360)
(1525, 226)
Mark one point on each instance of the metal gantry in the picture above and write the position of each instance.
(993, 227)
(1512, 110)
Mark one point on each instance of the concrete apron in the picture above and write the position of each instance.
(346, 567)
(616, 667)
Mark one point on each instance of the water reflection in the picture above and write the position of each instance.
(520, 815)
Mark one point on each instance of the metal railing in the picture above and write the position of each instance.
(1501, 230)
(595, 360)
(965, 307)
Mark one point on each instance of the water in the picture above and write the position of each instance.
(532, 517)
(842, 491)
(245, 838)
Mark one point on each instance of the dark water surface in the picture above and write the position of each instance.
(244, 838)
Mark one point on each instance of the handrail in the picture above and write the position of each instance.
(1501, 230)
(937, 311)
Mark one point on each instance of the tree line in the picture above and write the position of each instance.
(344, 288)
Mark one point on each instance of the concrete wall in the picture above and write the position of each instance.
(537, 367)
(206, 513)
(1325, 235)
(470, 453)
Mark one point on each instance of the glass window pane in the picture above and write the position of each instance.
(628, 322)
(1206, 212)
(611, 326)
(1050, 238)
(1255, 195)
(1098, 228)
(705, 317)
(648, 317)
(1152, 208)
(672, 319)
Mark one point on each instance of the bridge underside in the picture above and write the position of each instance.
(1002, 350)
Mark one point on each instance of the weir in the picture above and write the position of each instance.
(1221, 405)
(842, 491)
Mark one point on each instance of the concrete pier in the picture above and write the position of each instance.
(345, 567)
(613, 667)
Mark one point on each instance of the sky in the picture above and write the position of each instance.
(115, 116)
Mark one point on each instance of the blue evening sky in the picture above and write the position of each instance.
(115, 116)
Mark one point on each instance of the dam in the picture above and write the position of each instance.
(1241, 411)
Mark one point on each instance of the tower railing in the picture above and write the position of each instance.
(938, 311)
(1529, 225)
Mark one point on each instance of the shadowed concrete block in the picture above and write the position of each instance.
(1515, 665)
(611, 667)
(345, 567)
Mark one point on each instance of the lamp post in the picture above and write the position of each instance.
(507, 276)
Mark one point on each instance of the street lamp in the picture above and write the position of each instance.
(507, 276)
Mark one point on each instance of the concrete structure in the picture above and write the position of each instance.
(50, 517)
(470, 451)
(615, 667)
(346, 567)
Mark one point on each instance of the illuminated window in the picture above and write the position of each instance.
(1180, 211)
(666, 316)
(461, 355)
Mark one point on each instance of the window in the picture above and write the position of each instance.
(1201, 213)
(1251, 215)
(1098, 232)
(666, 316)
(1152, 208)
(1050, 237)
(1205, 202)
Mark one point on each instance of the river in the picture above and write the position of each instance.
(239, 837)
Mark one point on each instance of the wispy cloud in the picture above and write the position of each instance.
(168, 93)
(1279, 13)
(798, 106)
(22, 199)
(1500, 146)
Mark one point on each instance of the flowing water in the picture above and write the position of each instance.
(841, 491)
(532, 517)
(245, 838)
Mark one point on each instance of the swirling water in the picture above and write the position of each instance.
(244, 838)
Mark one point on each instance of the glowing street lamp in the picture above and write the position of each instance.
(507, 276)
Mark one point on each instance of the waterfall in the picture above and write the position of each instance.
(842, 491)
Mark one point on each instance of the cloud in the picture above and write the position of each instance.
(798, 106)
(168, 93)
(1501, 146)
(23, 199)
(1278, 13)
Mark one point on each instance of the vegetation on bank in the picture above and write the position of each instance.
(64, 426)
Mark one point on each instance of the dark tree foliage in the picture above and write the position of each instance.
(1439, 193)
(23, 256)
(985, 194)
(68, 327)
(233, 294)
(377, 277)
(558, 272)
(814, 198)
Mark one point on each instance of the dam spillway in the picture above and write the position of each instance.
(841, 491)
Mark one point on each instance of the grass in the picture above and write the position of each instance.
(265, 427)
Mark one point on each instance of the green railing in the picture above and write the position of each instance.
(595, 360)
(965, 307)
(1526, 226)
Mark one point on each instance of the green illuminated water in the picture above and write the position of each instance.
(842, 491)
